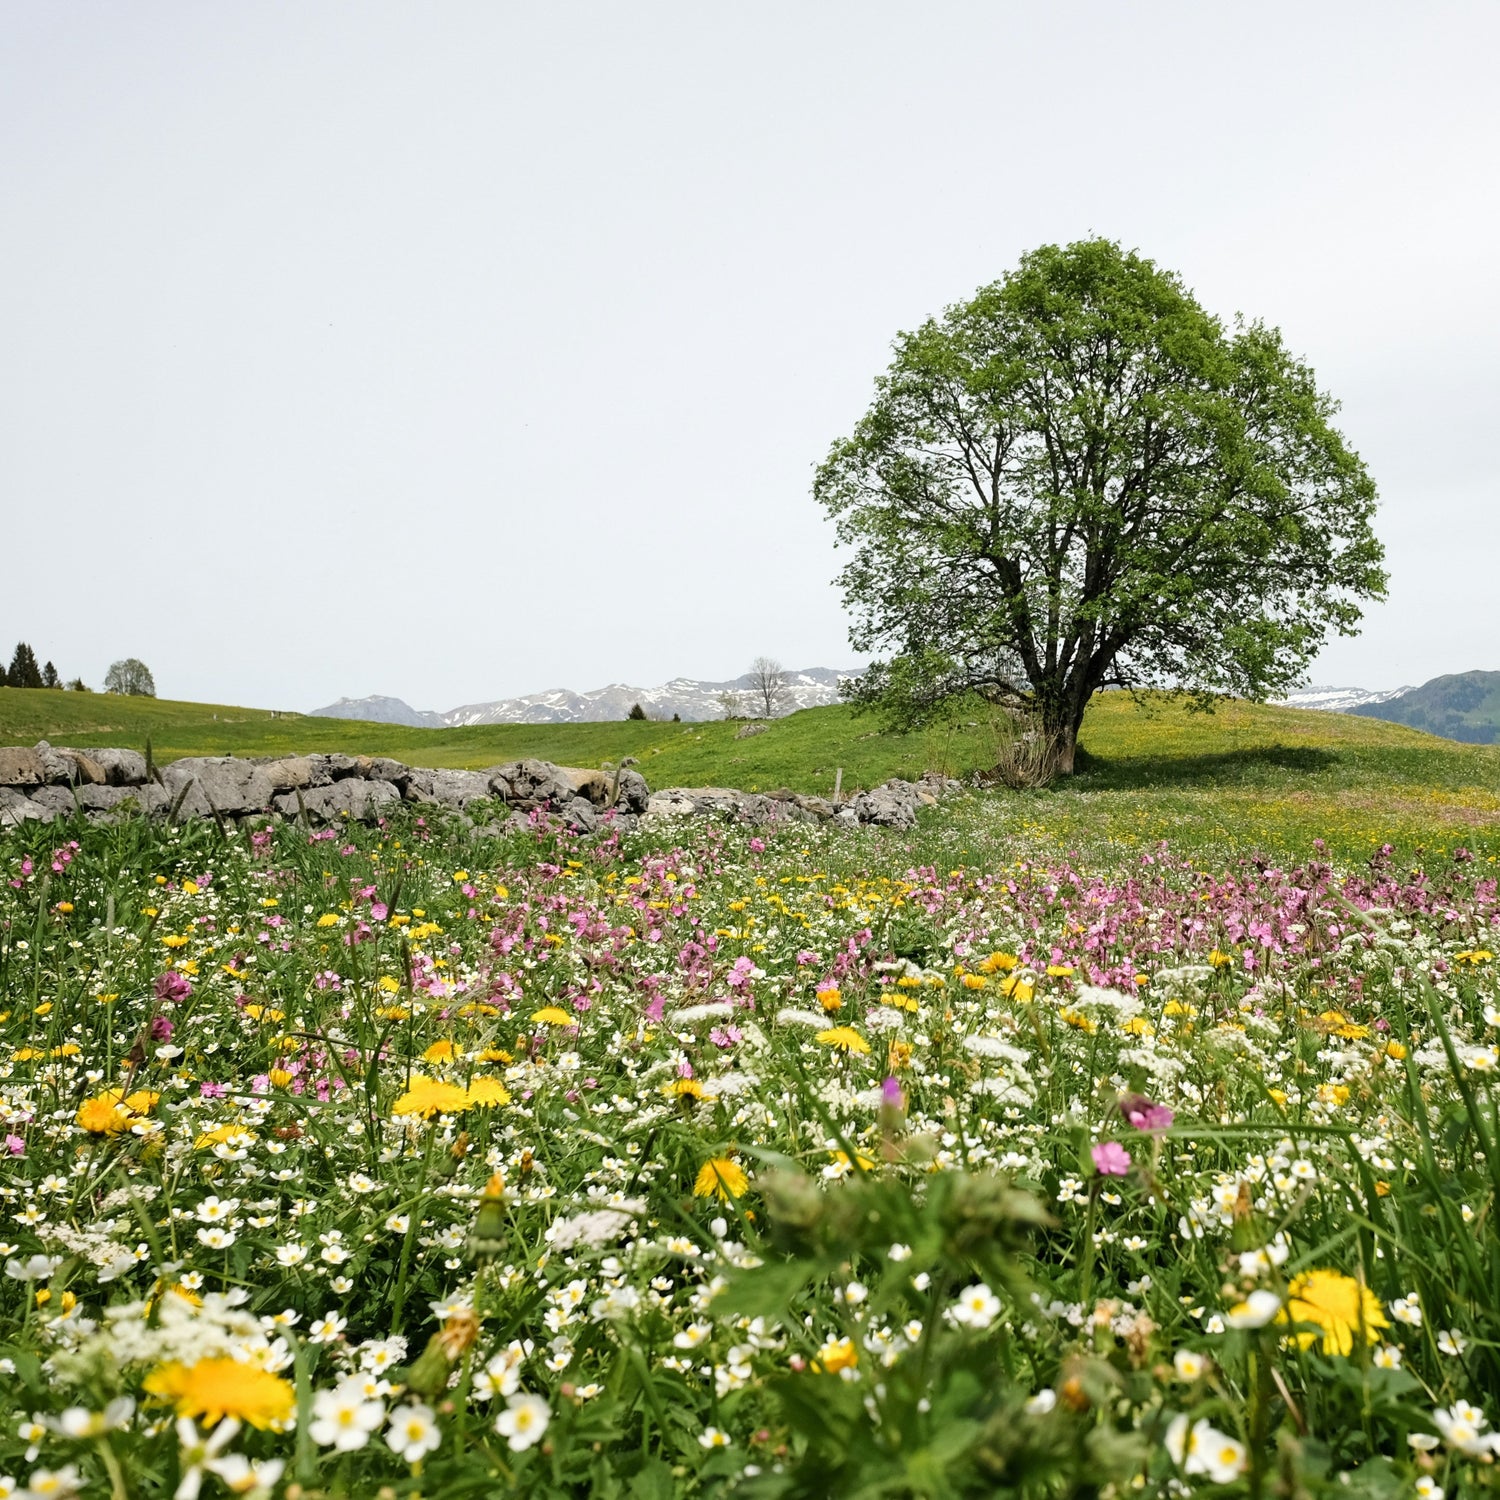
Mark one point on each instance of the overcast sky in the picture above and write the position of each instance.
(454, 351)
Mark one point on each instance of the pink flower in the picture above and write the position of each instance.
(1145, 1115)
(15, 1145)
(1111, 1159)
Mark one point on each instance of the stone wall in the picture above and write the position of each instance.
(42, 782)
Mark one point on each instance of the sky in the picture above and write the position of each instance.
(455, 351)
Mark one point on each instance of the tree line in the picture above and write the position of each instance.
(130, 676)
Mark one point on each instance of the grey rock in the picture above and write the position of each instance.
(21, 767)
(531, 783)
(149, 799)
(58, 801)
(747, 730)
(634, 795)
(350, 797)
(17, 808)
(459, 788)
(668, 803)
(219, 783)
(580, 815)
(120, 767)
(340, 766)
(288, 772)
(67, 767)
(893, 805)
(819, 807)
(383, 768)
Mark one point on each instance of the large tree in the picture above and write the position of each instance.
(132, 677)
(1080, 479)
(24, 672)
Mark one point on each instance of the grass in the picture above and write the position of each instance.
(1247, 776)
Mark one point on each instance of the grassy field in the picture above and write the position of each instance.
(1245, 776)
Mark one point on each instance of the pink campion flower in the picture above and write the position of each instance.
(1111, 1159)
(15, 1145)
(757, 846)
(1144, 1114)
(379, 911)
(740, 974)
(161, 1029)
(172, 986)
(891, 1096)
(207, 1090)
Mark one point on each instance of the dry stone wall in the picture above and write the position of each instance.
(43, 782)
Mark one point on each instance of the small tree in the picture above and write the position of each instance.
(636, 712)
(732, 704)
(78, 685)
(50, 679)
(1080, 479)
(24, 672)
(132, 677)
(769, 693)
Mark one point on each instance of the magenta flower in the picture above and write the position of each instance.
(15, 1145)
(1144, 1114)
(1111, 1159)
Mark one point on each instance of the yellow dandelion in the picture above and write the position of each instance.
(683, 1088)
(443, 1051)
(1003, 962)
(552, 1015)
(104, 1114)
(1341, 1308)
(844, 1039)
(431, 1096)
(222, 1387)
(836, 1355)
(831, 998)
(484, 1093)
(721, 1177)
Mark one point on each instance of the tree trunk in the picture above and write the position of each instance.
(1066, 741)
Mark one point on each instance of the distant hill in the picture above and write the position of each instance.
(694, 701)
(1462, 706)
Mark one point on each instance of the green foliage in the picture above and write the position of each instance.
(24, 672)
(636, 712)
(1078, 479)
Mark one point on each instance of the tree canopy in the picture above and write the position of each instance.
(1080, 479)
(131, 677)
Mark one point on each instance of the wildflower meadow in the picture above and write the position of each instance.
(784, 1162)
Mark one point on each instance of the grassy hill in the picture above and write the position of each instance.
(1460, 706)
(1246, 775)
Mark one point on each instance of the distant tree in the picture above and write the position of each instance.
(132, 677)
(677, 718)
(636, 712)
(78, 685)
(1080, 479)
(769, 693)
(24, 672)
(732, 704)
(50, 679)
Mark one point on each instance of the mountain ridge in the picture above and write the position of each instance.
(694, 699)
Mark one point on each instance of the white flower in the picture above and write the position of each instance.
(1041, 1403)
(1255, 1311)
(1428, 1488)
(80, 1422)
(711, 1437)
(214, 1210)
(344, 1417)
(197, 1451)
(691, 1336)
(326, 1329)
(36, 1268)
(1189, 1365)
(216, 1239)
(291, 1255)
(899, 1252)
(977, 1307)
(247, 1476)
(1452, 1342)
(523, 1421)
(1387, 1357)
(413, 1432)
(1407, 1310)
(52, 1484)
(1461, 1426)
(1203, 1449)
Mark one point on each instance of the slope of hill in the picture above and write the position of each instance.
(691, 700)
(1461, 706)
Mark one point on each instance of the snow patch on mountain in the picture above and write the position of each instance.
(692, 699)
(1338, 700)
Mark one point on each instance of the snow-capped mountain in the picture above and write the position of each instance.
(685, 696)
(1338, 700)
